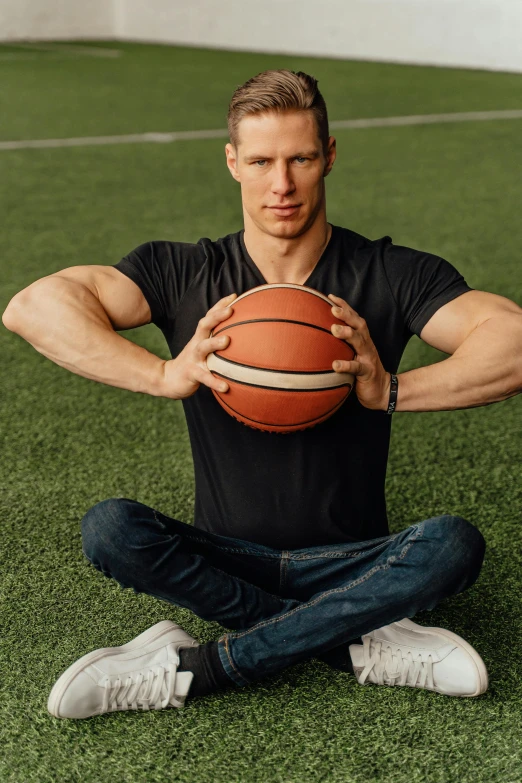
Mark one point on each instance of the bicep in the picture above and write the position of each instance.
(452, 323)
(121, 298)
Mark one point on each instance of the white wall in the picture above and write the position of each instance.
(467, 33)
(462, 33)
(56, 19)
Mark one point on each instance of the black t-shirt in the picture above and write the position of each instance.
(325, 484)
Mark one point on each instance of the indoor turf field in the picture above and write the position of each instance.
(453, 189)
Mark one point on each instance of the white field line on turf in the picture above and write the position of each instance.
(19, 57)
(39, 46)
(165, 138)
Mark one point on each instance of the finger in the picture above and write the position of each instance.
(221, 309)
(354, 337)
(337, 301)
(211, 320)
(353, 367)
(342, 309)
(223, 302)
(211, 344)
(205, 377)
(344, 332)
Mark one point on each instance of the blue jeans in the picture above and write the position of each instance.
(286, 605)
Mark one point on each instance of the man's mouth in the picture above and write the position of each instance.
(285, 210)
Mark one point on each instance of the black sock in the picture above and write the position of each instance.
(205, 663)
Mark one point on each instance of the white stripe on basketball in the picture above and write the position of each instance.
(278, 380)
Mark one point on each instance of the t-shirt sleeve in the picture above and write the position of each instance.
(164, 272)
(420, 282)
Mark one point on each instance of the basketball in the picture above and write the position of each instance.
(278, 362)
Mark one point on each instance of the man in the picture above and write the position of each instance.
(290, 545)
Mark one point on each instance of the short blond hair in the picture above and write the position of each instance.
(278, 91)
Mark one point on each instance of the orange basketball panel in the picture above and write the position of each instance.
(270, 426)
(281, 303)
(280, 407)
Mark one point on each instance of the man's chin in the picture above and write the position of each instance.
(283, 227)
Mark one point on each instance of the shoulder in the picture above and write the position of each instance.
(357, 243)
(349, 235)
(230, 243)
(164, 249)
(168, 254)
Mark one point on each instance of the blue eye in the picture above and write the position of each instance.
(264, 161)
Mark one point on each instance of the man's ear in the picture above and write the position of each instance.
(332, 154)
(231, 155)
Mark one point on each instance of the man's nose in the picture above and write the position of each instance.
(282, 182)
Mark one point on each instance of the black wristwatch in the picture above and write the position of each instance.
(394, 387)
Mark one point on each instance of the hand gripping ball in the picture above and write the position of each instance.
(278, 362)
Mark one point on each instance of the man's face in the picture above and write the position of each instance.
(280, 162)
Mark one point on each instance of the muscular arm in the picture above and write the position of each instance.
(63, 318)
(485, 368)
(483, 334)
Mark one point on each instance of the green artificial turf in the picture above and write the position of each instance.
(67, 442)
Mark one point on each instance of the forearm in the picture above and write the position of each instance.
(486, 368)
(65, 321)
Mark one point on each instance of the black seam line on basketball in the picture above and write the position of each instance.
(300, 423)
(278, 388)
(267, 369)
(276, 320)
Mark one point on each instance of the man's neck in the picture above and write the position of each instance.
(287, 261)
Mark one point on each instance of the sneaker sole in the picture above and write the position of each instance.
(63, 682)
(482, 672)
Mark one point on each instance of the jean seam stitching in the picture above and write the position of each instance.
(339, 555)
(321, 597)
(231, 662)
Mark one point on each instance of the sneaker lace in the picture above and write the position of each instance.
(393, 666)
(148, 689)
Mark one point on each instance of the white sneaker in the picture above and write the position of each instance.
(139, 675)
(405, 653)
